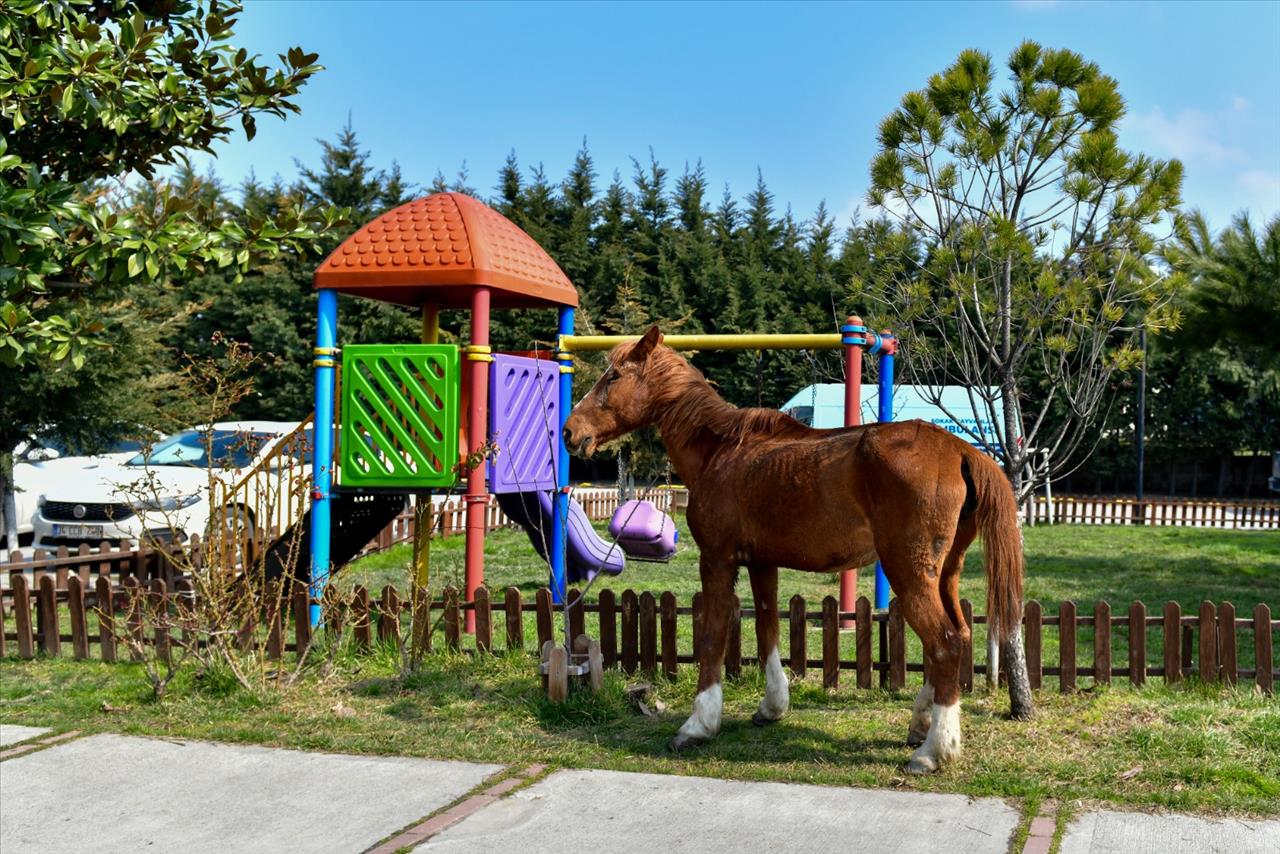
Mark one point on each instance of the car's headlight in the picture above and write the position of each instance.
(168, 502)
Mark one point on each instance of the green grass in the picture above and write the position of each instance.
(1199, 748)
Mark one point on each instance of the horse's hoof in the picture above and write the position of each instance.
(760, 720)
(686, 742)
(921, 765)
(915, 739)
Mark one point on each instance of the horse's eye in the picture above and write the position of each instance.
(612, 377)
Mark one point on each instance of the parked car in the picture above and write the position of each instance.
(43, 460)
(164, 494)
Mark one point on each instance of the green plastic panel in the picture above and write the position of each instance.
(399, 416)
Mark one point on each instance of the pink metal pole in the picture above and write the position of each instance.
(853, 338)
(478, 360)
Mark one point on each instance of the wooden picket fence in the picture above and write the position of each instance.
(1154, 512)
(639, 632)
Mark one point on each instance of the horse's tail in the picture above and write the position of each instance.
(997, 515)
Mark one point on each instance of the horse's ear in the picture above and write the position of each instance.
(645, 345)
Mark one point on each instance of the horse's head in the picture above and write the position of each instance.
(621, 401)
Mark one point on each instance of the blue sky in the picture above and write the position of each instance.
(795, 90)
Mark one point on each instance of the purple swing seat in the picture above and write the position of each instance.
(644, 531)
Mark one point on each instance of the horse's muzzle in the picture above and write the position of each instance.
(579, 446)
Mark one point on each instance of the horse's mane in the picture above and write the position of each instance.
(687, 405)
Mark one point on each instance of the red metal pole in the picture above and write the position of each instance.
(478, 360)
(854, 340)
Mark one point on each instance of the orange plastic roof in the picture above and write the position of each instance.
(438, 249)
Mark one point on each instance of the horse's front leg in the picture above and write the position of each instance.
(718, 577)
(777, 692)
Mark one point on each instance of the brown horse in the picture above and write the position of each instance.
(766, 491)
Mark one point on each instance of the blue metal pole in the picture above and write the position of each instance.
(885, 401)
(561, 516)
(322, 452)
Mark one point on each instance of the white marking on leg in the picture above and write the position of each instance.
(705, 720)
(943, 743)
(993, 654)
(921, 719)
(777, 692)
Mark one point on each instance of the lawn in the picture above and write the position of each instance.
(1201, 748)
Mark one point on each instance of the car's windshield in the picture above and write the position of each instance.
(229, 449)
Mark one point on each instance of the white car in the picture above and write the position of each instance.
(259, 470)
(44, 461)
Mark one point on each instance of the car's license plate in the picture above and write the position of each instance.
(84, 532)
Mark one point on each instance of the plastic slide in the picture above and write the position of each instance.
(587, 553)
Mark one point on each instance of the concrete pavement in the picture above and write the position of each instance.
(115, 793)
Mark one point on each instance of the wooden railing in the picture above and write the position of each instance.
(1157, 512)
(642, 632)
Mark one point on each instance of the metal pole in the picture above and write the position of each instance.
(853, 338)
(478, 360)
(560, 516)
(888, 343)
(324, 361)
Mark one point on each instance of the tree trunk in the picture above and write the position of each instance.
(8, 502)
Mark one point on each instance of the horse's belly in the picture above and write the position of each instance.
(824, 545)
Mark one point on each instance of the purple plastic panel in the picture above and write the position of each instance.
(524, 423)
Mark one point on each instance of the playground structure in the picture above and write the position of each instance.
(394, 419)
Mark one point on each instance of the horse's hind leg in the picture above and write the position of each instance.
(717, 600)
(777, 692)
(949, 584)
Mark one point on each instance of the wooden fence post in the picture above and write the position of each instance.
(1262, 647)
(733, 655)
(421, 619)
(389, 616)
(863, 624)
(79, 619)
(1208, 642)
(648, 632)
(452, 619)
(275, 623)
(360, 628)
(630, 630)
(484, 622)
(514, 613)
(301, 621)
(577, 608)
(545, 612)
(897, 646)
(158, 602)
(1228, 668)
(106, 619)
(1033, 641)
(668, 610)
(608, 628)
(797, 628)
(1067, 647)
(830, 643)
(47, 603)
(1102, 643)
(4, 621)
(1172, 635)
(966, 652)
(1137, 643)
(22, 614)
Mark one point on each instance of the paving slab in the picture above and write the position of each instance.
(1109, 832)
(659, 814)
(14, 733)
(123, 794)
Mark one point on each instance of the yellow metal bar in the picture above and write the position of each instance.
(828, 341)
(430, 323)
